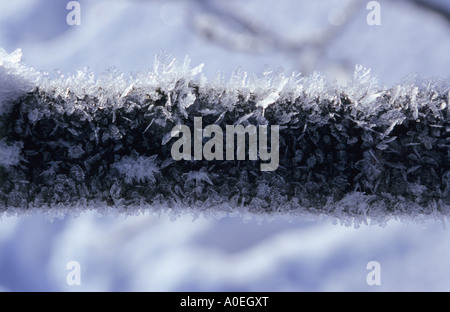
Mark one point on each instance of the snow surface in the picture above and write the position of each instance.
(151, 253)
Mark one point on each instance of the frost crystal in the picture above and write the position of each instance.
(142, 169)
(9, 154)
(357, 152)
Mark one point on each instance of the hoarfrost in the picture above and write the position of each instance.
(353, 152)
(9, 154)
(142, 169)
(198, 176)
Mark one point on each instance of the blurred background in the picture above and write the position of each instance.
(155, 253)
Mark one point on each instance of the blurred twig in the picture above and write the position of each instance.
(434, 7)
(223, 24)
